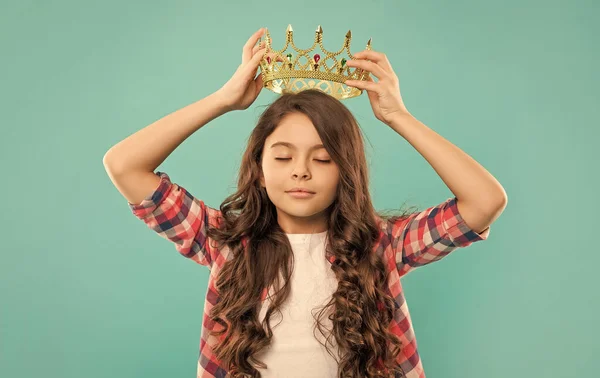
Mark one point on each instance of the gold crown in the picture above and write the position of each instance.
(290, 75)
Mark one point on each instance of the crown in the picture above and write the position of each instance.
(282, 72)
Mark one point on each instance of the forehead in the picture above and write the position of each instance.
(297, 129)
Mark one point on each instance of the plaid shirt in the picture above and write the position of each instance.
(409, 243)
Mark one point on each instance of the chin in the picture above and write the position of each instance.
(305, 211)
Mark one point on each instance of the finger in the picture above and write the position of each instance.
(369, 85)
(247, 50)
(278, 58)
(371, 67)
(258, 82)
(369, 78)
(374, 56)
(271, 54)
(251, 66)
(258, 47)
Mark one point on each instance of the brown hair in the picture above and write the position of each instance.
(363, 309)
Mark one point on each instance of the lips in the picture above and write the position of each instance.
(298, 194)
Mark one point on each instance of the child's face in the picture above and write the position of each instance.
(304, 167)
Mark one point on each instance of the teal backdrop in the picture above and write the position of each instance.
(87, 290)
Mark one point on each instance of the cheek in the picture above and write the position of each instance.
(334, 188)
(272, 174)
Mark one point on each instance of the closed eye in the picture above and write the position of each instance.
(320, 161)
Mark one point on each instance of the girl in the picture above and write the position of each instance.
(301, 234)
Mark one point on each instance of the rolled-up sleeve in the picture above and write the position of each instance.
(428, 236)
(174, 214)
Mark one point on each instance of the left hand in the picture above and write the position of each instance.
(384, 94)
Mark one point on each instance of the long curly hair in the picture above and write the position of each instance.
(362, 308)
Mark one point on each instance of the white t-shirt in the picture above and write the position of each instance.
(294, 350)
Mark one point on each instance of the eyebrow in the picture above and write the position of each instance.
(286, 144)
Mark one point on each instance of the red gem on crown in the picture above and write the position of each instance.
(317, 57)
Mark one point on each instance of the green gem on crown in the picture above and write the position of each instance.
(343, 62)
(289, 56)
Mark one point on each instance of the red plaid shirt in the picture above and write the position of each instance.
(422, 238)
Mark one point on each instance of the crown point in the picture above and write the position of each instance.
(349, 34)
(369, 43)
(289, 28)
(319, 29)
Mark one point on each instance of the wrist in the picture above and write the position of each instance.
(222, 101)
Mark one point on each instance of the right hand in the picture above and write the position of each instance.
(243, 87)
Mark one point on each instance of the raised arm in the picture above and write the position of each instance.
(165, 207)
(130, 163)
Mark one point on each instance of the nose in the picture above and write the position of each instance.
(300, 170)
(304, 175)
